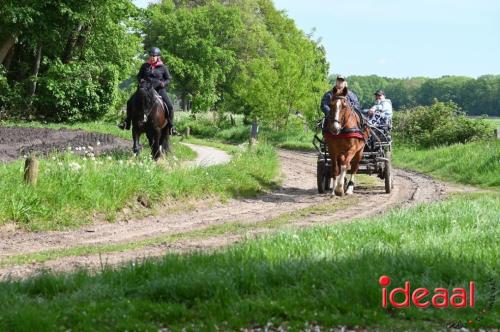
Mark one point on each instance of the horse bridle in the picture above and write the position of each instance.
(348, 106)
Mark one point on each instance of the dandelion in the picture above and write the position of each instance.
(75, 166)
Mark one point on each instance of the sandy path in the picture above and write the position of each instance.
(297, 191)
(207, 156)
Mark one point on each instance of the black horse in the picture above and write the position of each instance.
(148, 114)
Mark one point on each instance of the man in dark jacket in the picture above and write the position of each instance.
(340, 84)
(156, 72)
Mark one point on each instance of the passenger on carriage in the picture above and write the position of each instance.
(380, 114)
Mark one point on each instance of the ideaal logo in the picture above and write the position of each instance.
(423, 298)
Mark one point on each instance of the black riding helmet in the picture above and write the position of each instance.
(155, 51)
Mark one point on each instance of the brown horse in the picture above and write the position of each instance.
(346, 140)
(147, 104)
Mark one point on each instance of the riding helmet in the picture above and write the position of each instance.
(155, 51)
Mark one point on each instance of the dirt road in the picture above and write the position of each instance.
(298, 191)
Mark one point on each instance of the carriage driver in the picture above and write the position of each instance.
(340, 84)
(157, 73)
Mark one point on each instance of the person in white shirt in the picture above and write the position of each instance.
(382, 110)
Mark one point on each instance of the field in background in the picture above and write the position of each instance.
(324, 276)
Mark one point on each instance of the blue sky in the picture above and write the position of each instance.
(400, 38)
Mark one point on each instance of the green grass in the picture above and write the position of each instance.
(495, 122)
(71, 190)
(476, 163)
(326, 276)
(294, 137)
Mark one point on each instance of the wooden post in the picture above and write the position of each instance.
(188, 131)
(31, 170)
(254, 132)
(497, 133)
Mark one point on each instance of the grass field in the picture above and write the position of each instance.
(73, 190)
(476, 163)
(325, 276)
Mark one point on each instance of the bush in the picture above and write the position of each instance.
(439, 124)
(10, 96)
(77, 91)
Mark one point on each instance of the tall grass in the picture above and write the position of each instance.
(326, 276)
(71, 189)
(476, 163)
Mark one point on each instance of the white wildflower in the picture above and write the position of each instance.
(109, 158)
(75, 166)
(98, 143)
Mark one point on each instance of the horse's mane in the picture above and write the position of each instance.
(150, 98)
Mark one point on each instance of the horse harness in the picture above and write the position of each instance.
(344, 130)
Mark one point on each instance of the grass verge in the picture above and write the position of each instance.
(476, 163)
(326, 276)
(71, 189)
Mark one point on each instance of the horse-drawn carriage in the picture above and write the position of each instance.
(376, 158)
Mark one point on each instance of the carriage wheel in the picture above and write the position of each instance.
(388, 177)
(388, 155)
(323, 177)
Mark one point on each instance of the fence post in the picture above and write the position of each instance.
(31, 170)
(497, 133)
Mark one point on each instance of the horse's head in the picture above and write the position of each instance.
(146, 94)
(338, 105)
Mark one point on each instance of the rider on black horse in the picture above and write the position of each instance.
(155, 72)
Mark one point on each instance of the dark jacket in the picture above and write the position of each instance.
(351, 98)
(158, 75)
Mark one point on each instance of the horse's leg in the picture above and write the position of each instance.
(155, 149)
(136, 134)
(354, 169)
(344, 161)
(339, 181)
(165, 140)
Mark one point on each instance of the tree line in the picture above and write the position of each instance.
(475, 96)
(71, 60)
